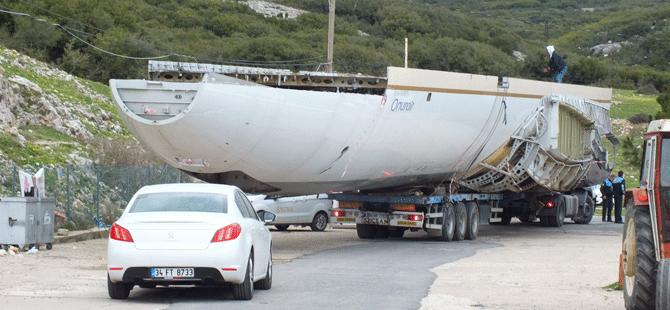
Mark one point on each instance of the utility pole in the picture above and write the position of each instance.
(331, 34)
(546, 29)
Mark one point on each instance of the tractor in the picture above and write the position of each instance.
(645, 254)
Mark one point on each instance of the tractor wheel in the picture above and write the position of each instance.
(638, 259)
(663, 284)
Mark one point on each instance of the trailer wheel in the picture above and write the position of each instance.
(282, 227)
(448, 222)
(472, 210)
(397, 232)
(558, 219)
(461, 221)
(662, 284)
(587, 211)
(638, 259)
(382, 232)
(525, 218)
(365, 231)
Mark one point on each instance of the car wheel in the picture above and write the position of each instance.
(245, 290)
(117, 290)
(319, 222)
(266, 283)
(282, 227)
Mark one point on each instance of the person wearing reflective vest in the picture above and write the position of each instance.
(619, 188)
(606, 190)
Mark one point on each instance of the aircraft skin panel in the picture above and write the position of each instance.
(429, 125)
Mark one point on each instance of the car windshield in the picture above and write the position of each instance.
(180, 202)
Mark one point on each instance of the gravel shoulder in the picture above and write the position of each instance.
(534, 268)
(529, 267)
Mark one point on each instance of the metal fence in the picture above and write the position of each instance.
(85, 191)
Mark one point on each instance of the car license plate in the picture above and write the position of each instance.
(171, 273)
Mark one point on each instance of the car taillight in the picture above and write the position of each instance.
(119, 233)
(550, 204)
(229, 232)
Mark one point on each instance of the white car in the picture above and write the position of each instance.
(189, 234)
(310, 210)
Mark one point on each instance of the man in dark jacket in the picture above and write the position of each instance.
(557, 65)
(606, 190)
(619, 188)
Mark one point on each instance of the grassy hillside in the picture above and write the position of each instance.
(472, 36)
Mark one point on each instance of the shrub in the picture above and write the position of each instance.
(640, 118)
(664, 100)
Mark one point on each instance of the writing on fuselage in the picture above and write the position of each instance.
(398, 105)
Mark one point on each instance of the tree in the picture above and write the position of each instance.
(664, 100)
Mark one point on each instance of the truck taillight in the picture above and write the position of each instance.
(338, 213)
(117, 232)
(404, 207)
(350, 204)
(415, 217)
(230, 232)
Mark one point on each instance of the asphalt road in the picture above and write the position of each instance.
(336, 270)
(378, 274)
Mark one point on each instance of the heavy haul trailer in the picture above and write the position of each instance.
(513, 147)
(456, 217)
(645, 255)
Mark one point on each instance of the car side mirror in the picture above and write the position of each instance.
(266, 216)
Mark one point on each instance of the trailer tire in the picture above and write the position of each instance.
(525, 218)
(662, 284)
(472, 210)
(587, 211)
(397, 232)
(504, 220)
(638, 258)
(365, 231)
(282, 227)
(461, 221)
(558, 219)
(448, 222)
(382, 232)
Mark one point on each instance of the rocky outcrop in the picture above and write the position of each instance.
(24, 103)
(270, 9)
(605, 49)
